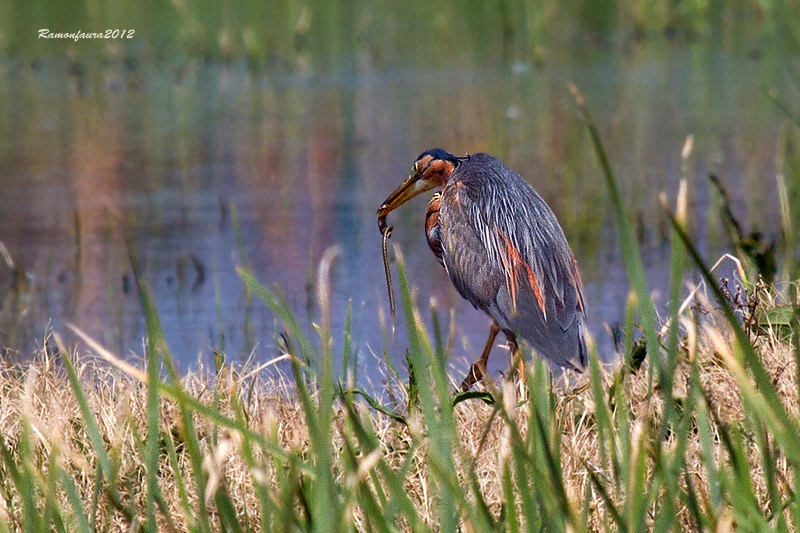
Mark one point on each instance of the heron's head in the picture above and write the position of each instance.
(431, 169)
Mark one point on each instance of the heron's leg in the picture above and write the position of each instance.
(478, 368)
(517, 358)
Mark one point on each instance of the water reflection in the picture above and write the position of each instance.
(214, 166)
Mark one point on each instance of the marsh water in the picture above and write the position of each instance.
(210, 165)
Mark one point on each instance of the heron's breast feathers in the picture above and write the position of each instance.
(433, 231)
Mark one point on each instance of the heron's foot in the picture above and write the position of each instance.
(475, 374)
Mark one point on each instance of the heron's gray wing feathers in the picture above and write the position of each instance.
(464, 257)
(506, 253)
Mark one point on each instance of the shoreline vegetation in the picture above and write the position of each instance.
(243, 449)
(696, 428)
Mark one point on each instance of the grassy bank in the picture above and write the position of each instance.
(704, 437)
(242, 449)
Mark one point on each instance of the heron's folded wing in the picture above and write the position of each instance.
(508, 239)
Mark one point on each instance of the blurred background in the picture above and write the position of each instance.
(260, 133)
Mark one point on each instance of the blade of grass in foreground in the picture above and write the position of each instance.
(394, 480)
(256, 465)
(438, 415)
(281, 311)
(677, 259)
(603, 426)
(156, 344)
(54, 510)
(630, 249)
(22, 481)
(327, 503)
(325, 506)
(188, 513)
(153, 433)
(96, 439)
(349, 368)
(543, 445)
(81, 520)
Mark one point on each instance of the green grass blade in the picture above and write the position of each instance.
(783, 106)
(436, 404)
(281, 311)
(768, 460)
(53, 508)
(795, 506)
(600, 487)
(23, 480)
(156, 347)
(708, 455)
(692, 503)
(177, 472)
(630, 249)
(605, 429)
(153, 434)
(394, 479)
(510, 511)
(81, 519)
(87, 415)
(372, 402)
(348, 364)
(227, 512)
(255, 465)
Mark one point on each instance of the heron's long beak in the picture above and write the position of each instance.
(413, 186)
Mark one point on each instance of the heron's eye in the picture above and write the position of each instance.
(415, 168)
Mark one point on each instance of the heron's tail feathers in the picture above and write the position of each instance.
(582, 361)
(557, 338)
(563, 346)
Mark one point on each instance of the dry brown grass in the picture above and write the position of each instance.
(39, 392)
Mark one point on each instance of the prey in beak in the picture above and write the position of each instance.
(431, 169)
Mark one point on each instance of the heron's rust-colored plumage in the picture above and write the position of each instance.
(576, 278)
(432, 226)
(513, 265)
